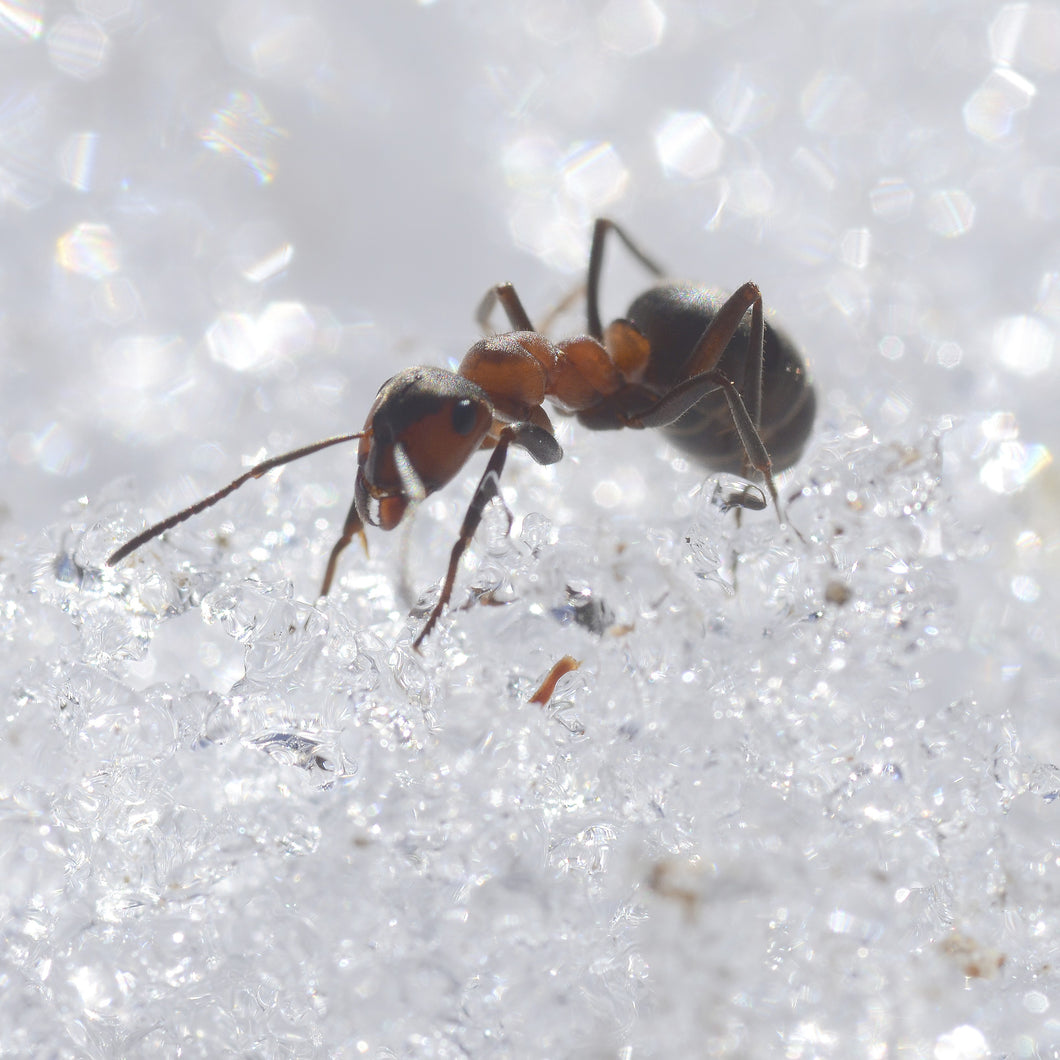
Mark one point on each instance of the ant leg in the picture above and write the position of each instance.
(689, 392)
(488, 488)
(412, 487)
(255, 472)
(596, 264)
(517, 315)
(719, 333)
(354, 525)
(705, 356)
(540, 444)
(561, 307)
(741, 496)
(510, 303)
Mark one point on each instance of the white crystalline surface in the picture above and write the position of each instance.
(737, 799)
(800, 798)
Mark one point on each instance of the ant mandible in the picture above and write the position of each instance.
(734, 395)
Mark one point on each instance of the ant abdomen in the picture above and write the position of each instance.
(673, 318)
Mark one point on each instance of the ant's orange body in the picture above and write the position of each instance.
(728, 392)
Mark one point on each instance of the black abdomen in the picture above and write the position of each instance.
(674, 317)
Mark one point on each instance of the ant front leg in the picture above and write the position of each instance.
(353, 526)
(413, 493)
(544, 448)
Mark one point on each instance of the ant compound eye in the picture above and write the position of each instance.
(464, 416)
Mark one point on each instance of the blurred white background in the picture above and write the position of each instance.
(224, 225)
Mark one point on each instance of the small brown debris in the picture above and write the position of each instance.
(565, 666)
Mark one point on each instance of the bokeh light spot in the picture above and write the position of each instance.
(88, 249)
(1048, 301)
(554, 21)
(594, 174)
(283, 330)
(631, 27)
(891, 199)
(270, 265)
(76, 159)
(950, 213)
(280, 41)
(1027, 36)
(78, 47)
(1025, 588)
(833, 103)
(1040, 192)
(26, 161)
(546, 229)
(116, 301)
(962, 1043)
(54, 449)
(750, 192)
(143, 362)
(688, 145)
(949, 355)
(149, 378)
(892, 347)
(231, 341)
(1000, 427)
(739, 105)
(106, 10)
(991, 110)
(855, 247)
(243, 129)
(531, 163)
(22, 19)
(1024, 345)
(1014, 465)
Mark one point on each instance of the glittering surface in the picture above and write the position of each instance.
(801, 796)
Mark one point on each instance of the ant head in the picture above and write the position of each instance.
(423, 426)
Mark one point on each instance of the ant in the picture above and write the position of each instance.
(734, 395)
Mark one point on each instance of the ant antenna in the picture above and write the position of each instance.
(207, 502)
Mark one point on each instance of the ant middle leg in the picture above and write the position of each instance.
(687, 394)
(702, 377)
(745, 407)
